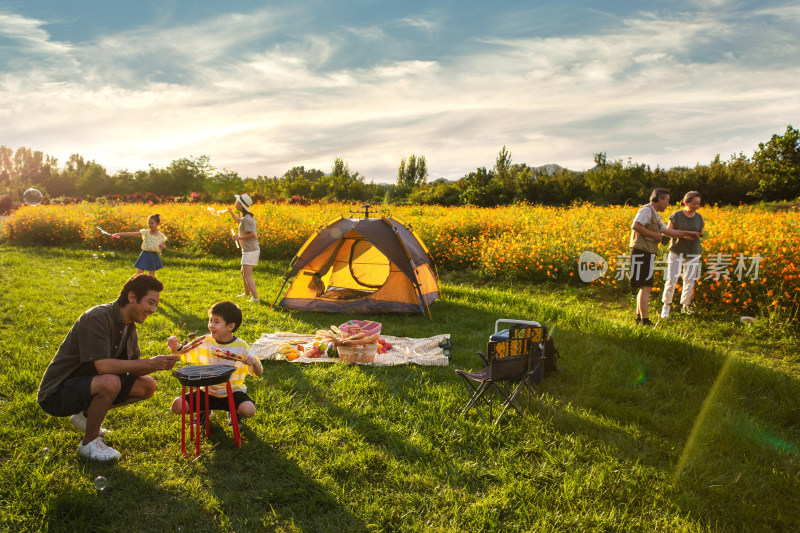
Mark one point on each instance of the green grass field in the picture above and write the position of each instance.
(691, 426)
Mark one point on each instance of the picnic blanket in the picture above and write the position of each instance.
(431, 351)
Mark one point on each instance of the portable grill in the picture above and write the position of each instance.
(197, 377)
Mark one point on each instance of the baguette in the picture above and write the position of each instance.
(361, 340)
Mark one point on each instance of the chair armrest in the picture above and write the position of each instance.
(484, 357)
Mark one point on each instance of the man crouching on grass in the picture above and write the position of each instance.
(98, 366)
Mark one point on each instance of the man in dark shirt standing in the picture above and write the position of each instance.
(98, 366)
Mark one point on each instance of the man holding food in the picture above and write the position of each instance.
(221, 347)
(98, 366)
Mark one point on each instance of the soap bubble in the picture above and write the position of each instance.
(32, 197)
(100, 483)
(45, 453)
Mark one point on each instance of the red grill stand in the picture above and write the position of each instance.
(194, 408)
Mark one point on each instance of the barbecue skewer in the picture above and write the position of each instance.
(225, 354)
(194, 343)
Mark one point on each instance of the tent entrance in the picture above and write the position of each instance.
(341, 294)
(356, 269)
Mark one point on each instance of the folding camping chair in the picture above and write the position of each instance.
(512, 366)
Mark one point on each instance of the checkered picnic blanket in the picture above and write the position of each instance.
(431, 351)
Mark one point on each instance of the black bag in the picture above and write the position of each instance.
(551, 355)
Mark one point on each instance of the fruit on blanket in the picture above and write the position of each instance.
(385, 345)
(288, 351)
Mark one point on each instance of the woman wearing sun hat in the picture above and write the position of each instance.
(248, 242)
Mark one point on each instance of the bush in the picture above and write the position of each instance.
(7, 204)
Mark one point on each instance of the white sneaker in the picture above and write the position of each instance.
(98, 450)
(665, 311)
(687, 309)
(255, 299)
(243, 295)
(79, 421)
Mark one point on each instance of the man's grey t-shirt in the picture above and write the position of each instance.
(95, 335)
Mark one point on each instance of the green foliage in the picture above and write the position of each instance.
(223, 182)
(412, 172)
(94, 181)
(184, 176)
(481, 189)
(772, 175)
(562, 187)
(778, 163)
(439, 192)
(617, 183)
(24, 168)
(719, 182)
(503, 172)
(264, 186)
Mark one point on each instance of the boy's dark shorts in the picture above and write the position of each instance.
(75, 394)
(641, 268)
(218, 404)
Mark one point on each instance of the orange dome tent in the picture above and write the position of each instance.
(362, 265)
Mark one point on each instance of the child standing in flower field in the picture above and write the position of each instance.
(153, 241)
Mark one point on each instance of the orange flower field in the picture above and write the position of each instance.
(750, 264)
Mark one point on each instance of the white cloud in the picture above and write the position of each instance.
(415, 22)
(154, 95)
(29, 34)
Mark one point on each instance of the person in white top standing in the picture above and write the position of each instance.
(248, 242)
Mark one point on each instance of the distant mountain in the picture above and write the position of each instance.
(550, 169)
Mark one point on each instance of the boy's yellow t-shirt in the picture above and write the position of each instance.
(204, 355)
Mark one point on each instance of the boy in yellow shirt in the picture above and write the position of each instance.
(221, 348)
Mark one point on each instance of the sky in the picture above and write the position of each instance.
(261, 87)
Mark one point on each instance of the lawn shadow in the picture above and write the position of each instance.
(127, 500)
(699, 417)
(260, 488)
(188, 321)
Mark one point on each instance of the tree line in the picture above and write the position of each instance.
(772, 174)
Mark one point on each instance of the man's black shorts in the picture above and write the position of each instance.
(75, 394)
(641, 268)
(218, 404)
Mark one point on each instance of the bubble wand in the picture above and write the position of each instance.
(104, 232)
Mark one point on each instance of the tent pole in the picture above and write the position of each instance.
(424, 300)
(279, 294)
(285, 279)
